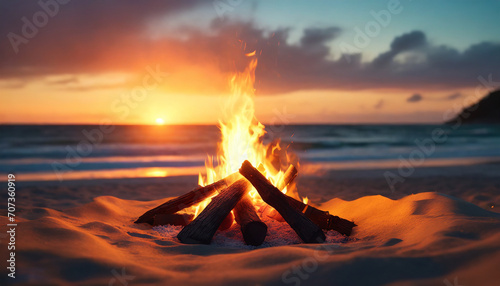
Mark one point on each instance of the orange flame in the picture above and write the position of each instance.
(305, 200)
(241, 138)
(250, 54)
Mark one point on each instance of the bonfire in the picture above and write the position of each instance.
(245, 181)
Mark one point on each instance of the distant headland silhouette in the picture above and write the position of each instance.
(486, 111)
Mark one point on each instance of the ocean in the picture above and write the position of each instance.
(82, 152)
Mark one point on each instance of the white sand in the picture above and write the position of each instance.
(422, 239)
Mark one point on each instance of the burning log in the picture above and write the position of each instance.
(227, 222)
(185, 219)
(173, 219)
(204, 226)
(195, 196)
(321, 218)
(303, 226)
(253, 229)
(288, 177)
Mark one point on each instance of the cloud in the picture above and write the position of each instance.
(65, 81)
(454, 96)
(414, 98)
(403, 43)
(13, 83)
(91, 37)
(80, 35)
(379, 104)
(318, 36)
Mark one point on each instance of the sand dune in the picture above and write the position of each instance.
(421, 239)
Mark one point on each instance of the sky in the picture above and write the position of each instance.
(132, 62)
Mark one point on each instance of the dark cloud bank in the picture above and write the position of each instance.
(102, 36)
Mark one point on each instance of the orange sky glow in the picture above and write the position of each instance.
(180, 100)
(143, 62)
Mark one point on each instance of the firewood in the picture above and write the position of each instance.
(173, 219)
(303, 226)
(227, 222)
(253, 229)
(321, 218)
(195, 196)
(204, 226)
(288, 177)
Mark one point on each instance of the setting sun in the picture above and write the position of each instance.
(160, 121)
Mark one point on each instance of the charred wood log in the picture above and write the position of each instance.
(195, 196)
(227, 222)
(303, 226)
(321, 218)
(288, 178)
(173, 219)
(253, 229)
(204, 226)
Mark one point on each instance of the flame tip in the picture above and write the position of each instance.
(251, 54)
(241, 140)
